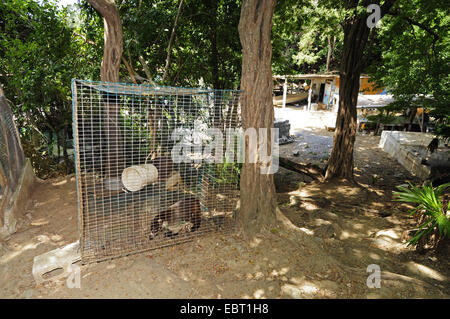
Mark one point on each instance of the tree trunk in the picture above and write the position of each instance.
(412, 115)
(58, 147)
(328, 54)
(258, 197)
(109, 71)
(356, 34)
(112, 52)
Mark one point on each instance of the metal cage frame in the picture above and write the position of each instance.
(133, 194)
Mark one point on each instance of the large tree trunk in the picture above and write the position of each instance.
(109, 71)
(356, 35)
(113, 47)
(340, 164)
(258, 197)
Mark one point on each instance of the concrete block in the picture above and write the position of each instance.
(398, 145)
(60, 258)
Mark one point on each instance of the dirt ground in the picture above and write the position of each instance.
(339, 230)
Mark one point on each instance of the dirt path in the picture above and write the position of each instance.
(344, 230)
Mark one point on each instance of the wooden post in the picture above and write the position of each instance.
(309, 96)
(284, 92)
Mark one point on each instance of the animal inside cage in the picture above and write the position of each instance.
(149, 171)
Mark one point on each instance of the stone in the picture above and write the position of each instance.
(58, 258)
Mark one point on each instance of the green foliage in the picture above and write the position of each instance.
(206, 49)
(42, 48)
(301, 33)
(385, 119)
(40, 52)
(228, 173)
(429, 206)
(413, 49)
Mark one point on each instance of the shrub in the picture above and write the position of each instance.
(431, 212)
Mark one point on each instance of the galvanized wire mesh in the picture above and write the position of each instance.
(12, 159)
(133, 193)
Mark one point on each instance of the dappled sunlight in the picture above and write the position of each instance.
(358, 253)
(389, 233)
(293, 200)
(255, 242)
(345, 234)
(40, 222)
(320, 222)
(425, 271)
(301, 290)
(388, 245)
(52, 199)
(374, 256)
(59, 183)
(276, 273)
(259, 294)
(309, 206)
(378, 205)
(20, 249)
(306, 231)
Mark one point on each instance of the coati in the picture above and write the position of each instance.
(184, 215)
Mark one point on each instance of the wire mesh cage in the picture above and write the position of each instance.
(12, 159)
(150, 165)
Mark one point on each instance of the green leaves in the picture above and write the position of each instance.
(41, 50)
(429, 204)
(413, 50)
(300, 36)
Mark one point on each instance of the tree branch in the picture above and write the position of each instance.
(169, 48)
(420, 25)
(146, 70)
(311, 170)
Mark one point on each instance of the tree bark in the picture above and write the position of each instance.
(113, 47)
(258, 197)
(328, 54)
(146, 70)
(356, 35)
(109, 72)
(129, 69)
(340, 164)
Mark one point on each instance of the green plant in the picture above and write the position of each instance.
(373, 179)
(228, 173)
(430, 207)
